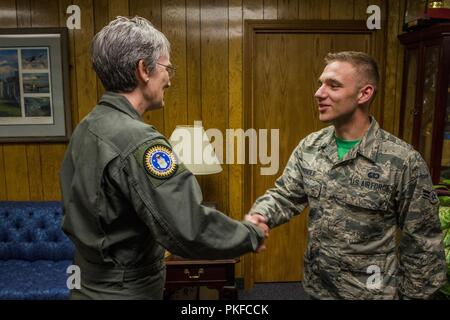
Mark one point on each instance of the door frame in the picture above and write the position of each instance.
(254, 27)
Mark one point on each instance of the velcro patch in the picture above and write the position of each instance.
(430, 195)
(160, 161)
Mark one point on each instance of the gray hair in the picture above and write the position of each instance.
(118, 47)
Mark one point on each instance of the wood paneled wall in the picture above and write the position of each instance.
(207, 43)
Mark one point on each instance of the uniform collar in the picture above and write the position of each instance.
(119, 102)
(368, 147)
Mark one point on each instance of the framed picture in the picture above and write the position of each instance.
(34, 85)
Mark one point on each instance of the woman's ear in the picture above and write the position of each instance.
(142, 73)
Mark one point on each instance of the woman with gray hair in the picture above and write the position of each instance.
(126, 196)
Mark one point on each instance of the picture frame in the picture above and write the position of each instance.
(34, 85)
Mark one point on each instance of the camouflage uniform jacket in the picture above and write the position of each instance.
(127, 199)
(357, 205)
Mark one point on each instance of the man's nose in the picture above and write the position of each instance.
(320, 93)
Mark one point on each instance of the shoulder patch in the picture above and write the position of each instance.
(160, 161)
(430, 195)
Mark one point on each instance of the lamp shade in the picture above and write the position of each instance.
(192, 146)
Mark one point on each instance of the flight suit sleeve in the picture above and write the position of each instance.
(168, 199)
(421, 251)
(287, 198)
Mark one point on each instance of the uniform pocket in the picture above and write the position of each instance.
(361, 263)
(368, 201)
(362, 216)
(312, 187)
(361, 276)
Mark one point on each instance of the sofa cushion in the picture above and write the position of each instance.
(36, 280)
(30, 230)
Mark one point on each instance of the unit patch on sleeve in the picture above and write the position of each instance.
(160, 161)
(430, 195)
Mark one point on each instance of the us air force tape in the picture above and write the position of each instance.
(160, 161)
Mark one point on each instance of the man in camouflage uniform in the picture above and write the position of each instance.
(126, 197)
(359, 199)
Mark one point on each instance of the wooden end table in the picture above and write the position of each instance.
(216, 274)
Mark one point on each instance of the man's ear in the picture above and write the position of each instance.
(366, 93)
(143, 75)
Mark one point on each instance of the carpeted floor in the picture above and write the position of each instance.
(275, 291)
(260, 291)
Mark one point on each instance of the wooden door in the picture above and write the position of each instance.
(283, 62)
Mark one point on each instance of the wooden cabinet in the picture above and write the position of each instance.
(217, 274)
(425, 110)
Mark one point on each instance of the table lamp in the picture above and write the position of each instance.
(192, 146)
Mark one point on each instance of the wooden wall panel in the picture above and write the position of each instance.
(23, 8)
(101, 19)
(394, 68)
(33, 157)
(287, 9)
(8, 14)
(174, 27)
(193, 61)
(270, 9)
(214, 58)
(44, 13)
(341, 9)
(254, 9)
(360, 9)
(378, 106)
(16, 172)
(85, 76)
(314, 9)
(235, 103)
(118, 8)
(3, 194)
(52, 156)
(63, 4)
(235, 29)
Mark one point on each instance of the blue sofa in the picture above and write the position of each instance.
(34, 252)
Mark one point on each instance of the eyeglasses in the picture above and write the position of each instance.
(170, 69)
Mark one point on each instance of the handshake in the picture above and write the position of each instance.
(260, 222)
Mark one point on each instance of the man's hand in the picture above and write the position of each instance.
(261, 222)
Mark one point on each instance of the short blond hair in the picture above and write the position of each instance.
(364, 63)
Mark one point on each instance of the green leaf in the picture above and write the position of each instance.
(444, 217)
(444, 201)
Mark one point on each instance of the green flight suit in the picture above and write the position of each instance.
(127, 199)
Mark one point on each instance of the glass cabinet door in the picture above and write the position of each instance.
(428, 104)
(411, 84)
(445, 161)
